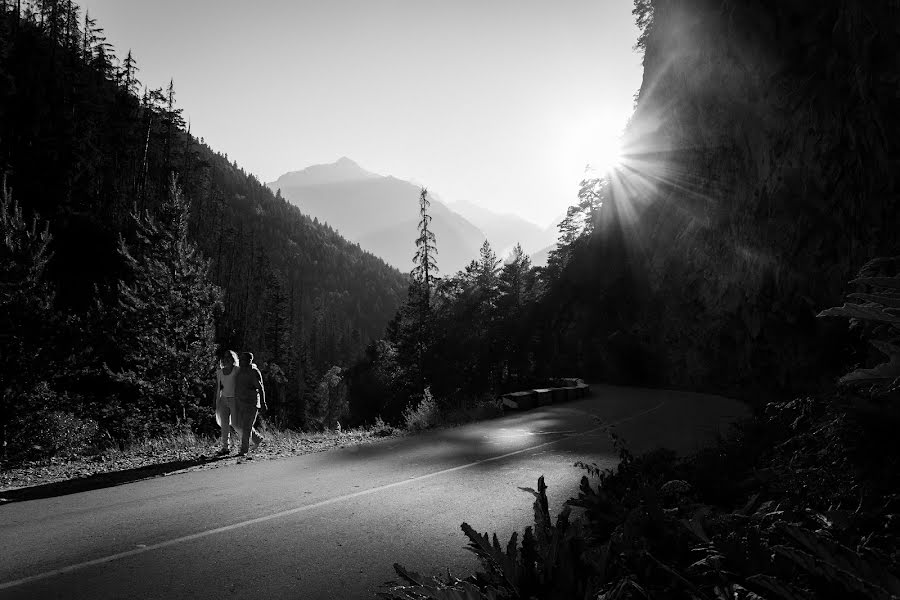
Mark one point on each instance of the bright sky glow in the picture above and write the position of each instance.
(498, 102)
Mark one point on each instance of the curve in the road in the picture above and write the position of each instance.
(333, 500)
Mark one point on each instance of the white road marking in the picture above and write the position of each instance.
(141, 549)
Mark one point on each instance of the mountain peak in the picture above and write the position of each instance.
(346, 163)
(341, 170)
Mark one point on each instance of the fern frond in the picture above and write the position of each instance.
(891, 283)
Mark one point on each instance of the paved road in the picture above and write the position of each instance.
(330, 525)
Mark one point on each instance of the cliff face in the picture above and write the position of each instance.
(762, 175)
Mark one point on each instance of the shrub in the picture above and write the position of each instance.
(381, 429)
(47, 431)
(424, 415)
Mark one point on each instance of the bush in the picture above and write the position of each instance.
(46, 431)
(425, 415)
(381, 429)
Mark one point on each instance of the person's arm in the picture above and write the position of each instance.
(218, 390)
(261, 388)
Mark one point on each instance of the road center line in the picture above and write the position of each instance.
(292, 511)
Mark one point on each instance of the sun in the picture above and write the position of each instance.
(592, 145)
(604, 156)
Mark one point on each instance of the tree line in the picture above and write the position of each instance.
(498, 325)
(133, 253)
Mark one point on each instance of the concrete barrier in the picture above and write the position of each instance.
(559, 394)
(575, 388)
(544, 396)
(519, 400)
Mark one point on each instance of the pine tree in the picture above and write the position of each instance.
(425, 259)
(515, 280)
(418, 306)
(164, 317)
(129, 67)
(328, 403)
(487, 277)
(174, 122)
(580, 222)
(25, 308)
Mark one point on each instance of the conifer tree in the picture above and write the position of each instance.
(164, 317)
(174, 122)
(129, 68)
(517, 283)
(328, 403)
(514, 279)
(425, 259)
(25, 307)
(416, 336)
(487, 277)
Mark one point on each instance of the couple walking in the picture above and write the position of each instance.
(239, 396)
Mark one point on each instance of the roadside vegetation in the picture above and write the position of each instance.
(71, 449)
(800, 502)
(176, 448)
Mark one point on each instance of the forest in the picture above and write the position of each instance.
(700, 263)
(133, 253)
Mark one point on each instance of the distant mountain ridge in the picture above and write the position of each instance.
(343, 169)
(380, 213)
(505, 230)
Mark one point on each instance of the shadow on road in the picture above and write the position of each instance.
(102, 480)
(520, 434)
(645, 419)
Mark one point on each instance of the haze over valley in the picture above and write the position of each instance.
(380, 213)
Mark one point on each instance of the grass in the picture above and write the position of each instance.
(181, 446)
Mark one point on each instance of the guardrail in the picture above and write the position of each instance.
(527, 399)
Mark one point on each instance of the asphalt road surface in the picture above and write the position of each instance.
(330, 525)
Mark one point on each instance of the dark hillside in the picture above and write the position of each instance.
(761, 177)
(84, 148)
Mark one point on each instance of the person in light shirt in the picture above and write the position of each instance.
(226, 378)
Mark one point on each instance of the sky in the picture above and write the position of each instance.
(501, 103)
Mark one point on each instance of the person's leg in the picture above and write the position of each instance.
(255, 436)
(223, 411)
(247, 418)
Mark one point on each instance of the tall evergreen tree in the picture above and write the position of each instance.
(425, 259)
(487, 277)
(515, 279)
(164, 317)
(517, 284)
(418, 308)
(25, 303)
(129, 81)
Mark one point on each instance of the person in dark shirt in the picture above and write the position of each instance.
(250, 396)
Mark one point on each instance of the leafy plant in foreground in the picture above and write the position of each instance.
(550, 562)
(877, 314)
